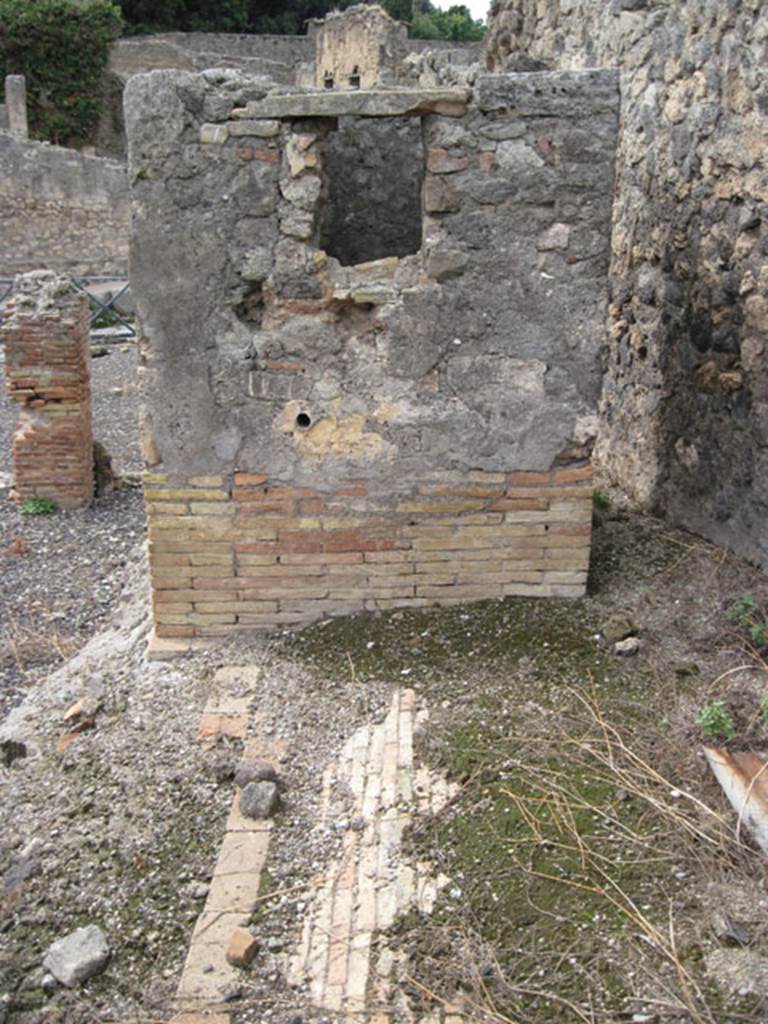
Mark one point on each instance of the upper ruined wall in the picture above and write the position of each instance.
(358, 48)
(479, 351)
(61, 210)
(685, 409)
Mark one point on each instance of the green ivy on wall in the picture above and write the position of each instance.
(61, 47)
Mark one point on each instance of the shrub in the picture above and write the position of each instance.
(751, 619)
(715, 721)
(61, 47)
(37, 506)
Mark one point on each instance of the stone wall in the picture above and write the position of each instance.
(415, 431)
(48, 373)
(278, 56)
(684, 424)
(61, 210)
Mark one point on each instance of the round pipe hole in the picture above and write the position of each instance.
(303, 421)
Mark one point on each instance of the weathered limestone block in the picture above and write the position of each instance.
(408, 428)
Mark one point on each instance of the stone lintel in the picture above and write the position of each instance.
(359, 103)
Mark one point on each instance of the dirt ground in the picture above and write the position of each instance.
(597, 872)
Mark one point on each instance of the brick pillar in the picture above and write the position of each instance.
(16, 105)
(48, 372)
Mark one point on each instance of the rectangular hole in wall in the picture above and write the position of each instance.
(374, 169)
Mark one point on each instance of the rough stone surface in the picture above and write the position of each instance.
(78, 956)
(684, 414)
(259, 800)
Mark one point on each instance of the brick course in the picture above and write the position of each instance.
(48, 373)
(252, 566)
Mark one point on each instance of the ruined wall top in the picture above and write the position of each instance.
(358, 48)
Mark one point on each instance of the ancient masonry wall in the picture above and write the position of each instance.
(684, 415)
(410, 431)
(48, 373)
(61, 210)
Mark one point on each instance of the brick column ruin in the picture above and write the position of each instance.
(48, 372)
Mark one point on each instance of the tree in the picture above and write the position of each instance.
(61, 47)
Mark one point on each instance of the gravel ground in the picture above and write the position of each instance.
(61, 574)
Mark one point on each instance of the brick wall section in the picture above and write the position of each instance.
(47, 372)
(255, 554)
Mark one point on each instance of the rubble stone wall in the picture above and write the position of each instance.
(61, 210)
(684, 419)
(409, 431)
(48, 373)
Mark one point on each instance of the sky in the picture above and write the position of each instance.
(479, 8)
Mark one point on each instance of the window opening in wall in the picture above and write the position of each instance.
(328, 80)
(354, 78)
(374, 169)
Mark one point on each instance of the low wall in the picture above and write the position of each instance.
(61, 210)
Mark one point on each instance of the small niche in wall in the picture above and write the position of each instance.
(328, 81)
(354, 78)
(374, 169)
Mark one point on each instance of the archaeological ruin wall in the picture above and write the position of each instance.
(61, 210)
(684, 418)
(45, 333)
(326, 434)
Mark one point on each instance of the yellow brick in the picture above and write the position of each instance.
(174, 607)
(188, 494)
(170, 542)
(154, 478)
(565, 577)
(201, 619)
(460, 593)
(163, 559)
(213, 571)
(212, 558)
(246, 559)
(442, 508)
(193, 595)
(172, 618)
(155, 508)
(206, 481)
(220, 607)
(211, 508)
(173, 578)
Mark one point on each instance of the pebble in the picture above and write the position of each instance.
(78, 956)
(627, 648)
(259, 800)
